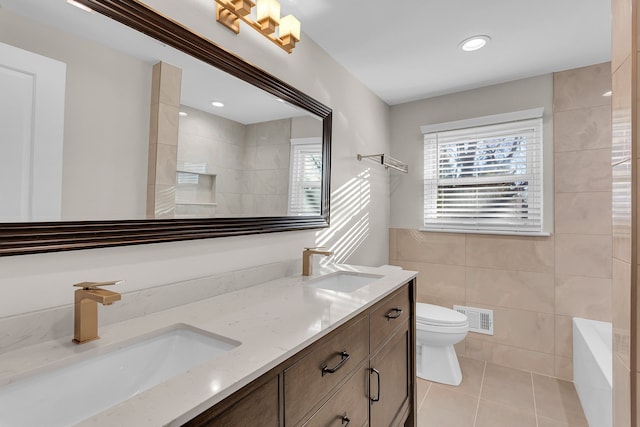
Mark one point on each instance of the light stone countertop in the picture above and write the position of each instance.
(272, 321)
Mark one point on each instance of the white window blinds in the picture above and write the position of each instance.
(305, 180)
(485, 178)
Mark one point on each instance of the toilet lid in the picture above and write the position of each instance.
(436, 315)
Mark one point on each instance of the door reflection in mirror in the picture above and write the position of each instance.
(31, 129)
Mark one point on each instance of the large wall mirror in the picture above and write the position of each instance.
(123, 127)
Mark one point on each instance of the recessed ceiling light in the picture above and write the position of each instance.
(80, 6)
(474, 43)
(183, 114)
(607, 93)
(217, 104)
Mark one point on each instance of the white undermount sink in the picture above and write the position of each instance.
(343, 281)
(67, 395)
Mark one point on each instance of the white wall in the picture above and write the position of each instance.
(407, 140)
(360, 204)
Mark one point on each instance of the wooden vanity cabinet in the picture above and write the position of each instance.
(391, 360)
(362, 374)
(258, 403)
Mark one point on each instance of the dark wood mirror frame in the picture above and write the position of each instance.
(37, 237)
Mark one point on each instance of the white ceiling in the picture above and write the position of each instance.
(408, 49)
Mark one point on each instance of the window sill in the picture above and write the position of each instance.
(489, 232)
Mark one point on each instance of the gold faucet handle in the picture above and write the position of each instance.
(320, 250)
(95, 285)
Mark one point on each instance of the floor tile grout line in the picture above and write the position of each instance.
(484, 371)
(535, 407)
(424, 398)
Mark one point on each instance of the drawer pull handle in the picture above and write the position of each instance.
(377, 398)
(345, 421)
(326, 370)
(390, 315)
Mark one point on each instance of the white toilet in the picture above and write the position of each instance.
(437, 330)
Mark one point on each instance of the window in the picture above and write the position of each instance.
(485, 178)
(305, 177)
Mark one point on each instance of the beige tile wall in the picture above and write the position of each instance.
(535, 285)
(634, 354)
(583, 231)
(623, 276)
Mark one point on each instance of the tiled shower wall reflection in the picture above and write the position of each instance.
(249, 163)
(267, 164)
(535, 285)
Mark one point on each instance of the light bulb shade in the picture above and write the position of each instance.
(290, 27)
(268, 14)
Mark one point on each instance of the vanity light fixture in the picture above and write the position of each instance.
(474, 43)
(80, 6)
(284, 32)
(268, 12)
(607, 93)
(217, 104)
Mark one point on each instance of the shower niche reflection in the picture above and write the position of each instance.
(195, 192)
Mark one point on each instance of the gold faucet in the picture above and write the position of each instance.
(85, 323)
(306, 259)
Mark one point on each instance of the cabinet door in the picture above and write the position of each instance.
(389, 388)
(256, 406)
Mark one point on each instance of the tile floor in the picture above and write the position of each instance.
(496, 396)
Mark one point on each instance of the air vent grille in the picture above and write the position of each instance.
(480, 319)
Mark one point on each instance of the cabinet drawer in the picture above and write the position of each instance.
(306, 383)
(349, 405)
(389, 314)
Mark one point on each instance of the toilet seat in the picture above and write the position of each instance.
(436, 316)
(443, 329)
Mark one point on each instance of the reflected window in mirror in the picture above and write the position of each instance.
(305, 178)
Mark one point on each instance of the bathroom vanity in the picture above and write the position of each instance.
(337, 348)
(360, 374)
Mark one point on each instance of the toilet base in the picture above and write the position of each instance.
(438, 364)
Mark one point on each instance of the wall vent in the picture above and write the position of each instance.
(480, 320)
